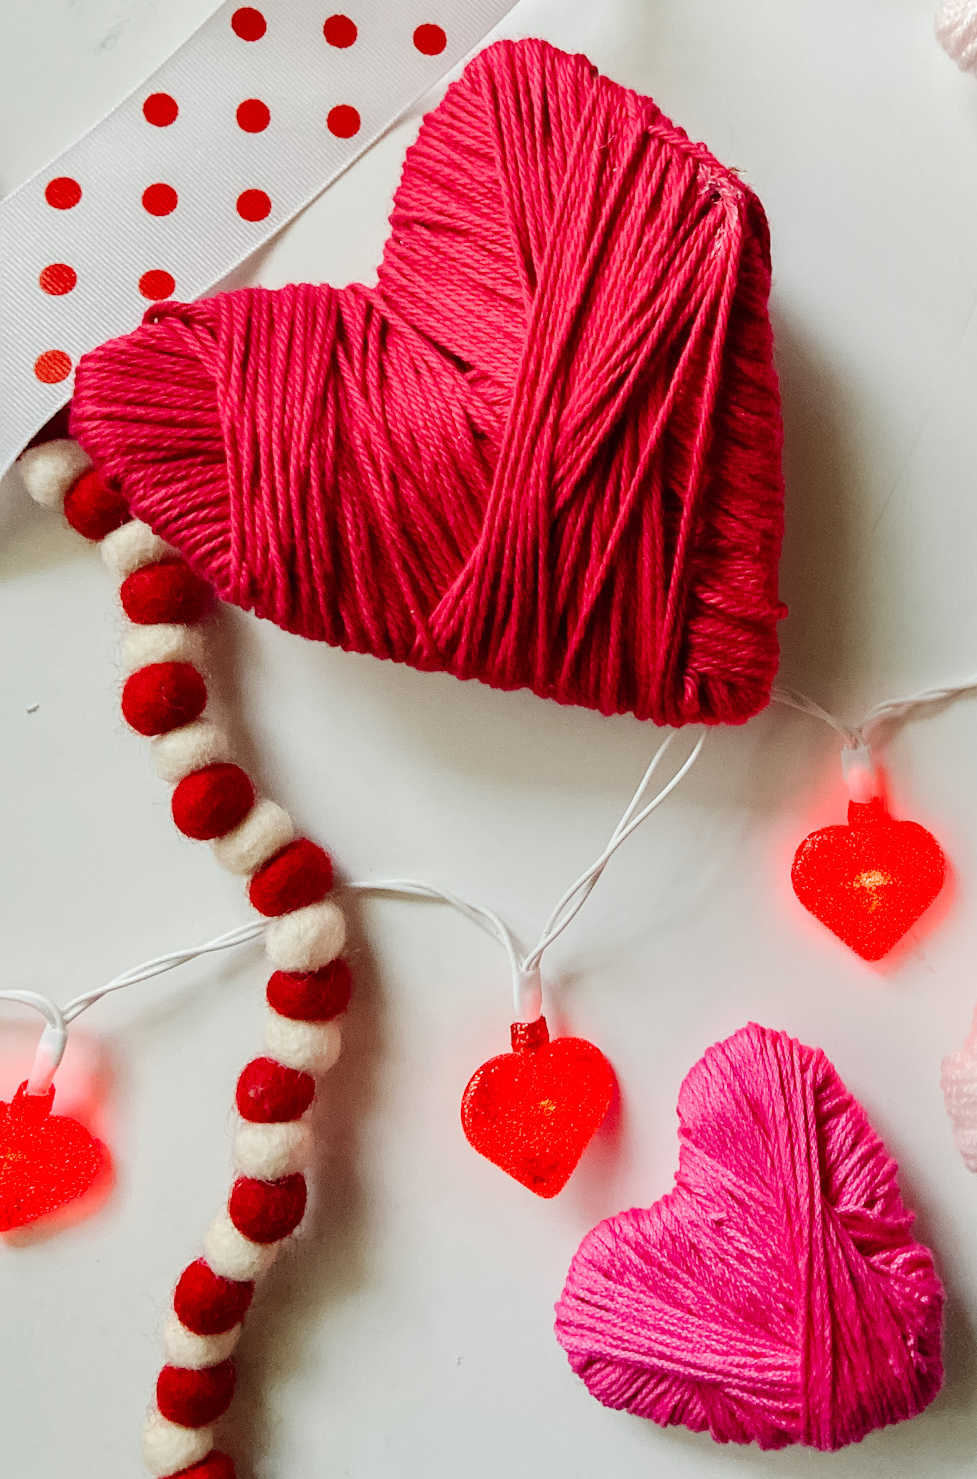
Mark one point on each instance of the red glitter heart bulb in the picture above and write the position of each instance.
(46, 1160)
(533, 1111)
(871, 880)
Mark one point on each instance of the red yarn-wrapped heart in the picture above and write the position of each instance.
(775, 1295)
(46, 1160)
(544, 451)
(871, 880)
(534, 1111)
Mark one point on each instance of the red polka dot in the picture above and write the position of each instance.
(343, 121)
(53, 365)
(249, 23)
(431, 40)
(253, 205)
(62, 193)
(57, 279)
(157, 284)
(339, 30)
(253, 115)
(159, 200)
(160, 109)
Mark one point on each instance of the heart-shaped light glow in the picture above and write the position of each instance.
(533, 1111)
(871, 880)
(46, 1160)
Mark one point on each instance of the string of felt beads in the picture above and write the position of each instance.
(290, 878)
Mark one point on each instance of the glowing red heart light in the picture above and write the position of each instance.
(533, 1111)
(871, 880)
(46, 1160)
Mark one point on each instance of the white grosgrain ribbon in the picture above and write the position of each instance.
(246, 123)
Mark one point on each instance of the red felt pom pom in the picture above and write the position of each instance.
(92, 509)
(266, 1211)
(270, 1093)
(195, 1398)
(163, 696)
(298, 875)
(312, 996)
(166, 591)
(209, 802)
(208, 1304)
(215, 1466)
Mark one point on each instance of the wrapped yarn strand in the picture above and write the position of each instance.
(958, 1079)
(956, 30)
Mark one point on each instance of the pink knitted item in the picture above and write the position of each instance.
(775, 1294)
(543, 452)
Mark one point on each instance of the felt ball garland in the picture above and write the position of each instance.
(289, 879)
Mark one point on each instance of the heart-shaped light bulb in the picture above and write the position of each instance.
(46, 1160)
(871, 880)
(533, 1111)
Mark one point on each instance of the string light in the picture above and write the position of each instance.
(869, 880)
(531, 1111)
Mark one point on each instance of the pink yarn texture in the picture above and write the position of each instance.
(775, 1295)
(544, 451)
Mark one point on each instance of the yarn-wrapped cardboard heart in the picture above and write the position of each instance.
(775, 1295)
(544, 451)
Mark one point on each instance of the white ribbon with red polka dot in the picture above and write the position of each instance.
(246, 123)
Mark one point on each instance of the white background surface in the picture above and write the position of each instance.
(410, 1333)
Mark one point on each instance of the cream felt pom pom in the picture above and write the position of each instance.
(956, 30)
(162, 642)
(133, 545)
(232, 1255)
(51, 469)
(311, 1047)
(189, 748)
(168, 1449)
(270, 1151)
(265, 830)
(306, 938)
(195, 1352)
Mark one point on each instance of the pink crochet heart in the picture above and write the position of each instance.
(775, 1295)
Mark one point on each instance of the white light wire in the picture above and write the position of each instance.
(858, 736)
(525, 970)
(50, 1049)
(526, 987)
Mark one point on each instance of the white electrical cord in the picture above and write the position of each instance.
(54, 1039)
(526, 983)
(857, 764)
(525, 969)
(526, 986)
(858, 736)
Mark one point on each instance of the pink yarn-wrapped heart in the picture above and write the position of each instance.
(775, 1295)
